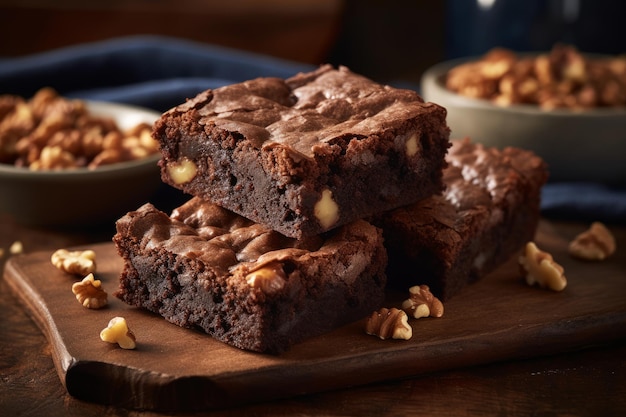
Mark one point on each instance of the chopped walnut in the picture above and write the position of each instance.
(89, 292)
(326, 210)
(74, 262)
(540, 268)
(389, 323)
(422, 303)
(182, 171)
(595, 244)
(107, 156)
(560, 78)
(53, 158)
(118, 332)
(50, 132)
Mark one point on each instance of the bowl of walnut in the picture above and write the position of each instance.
(68, 162)
(568, 107)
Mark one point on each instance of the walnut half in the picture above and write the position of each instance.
(74, 262)
(540, 268)
(89, 292)
(389, 323)
(595, 244)
(422, 303)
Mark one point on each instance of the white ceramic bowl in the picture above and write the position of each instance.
(81, 196)
(587, 145)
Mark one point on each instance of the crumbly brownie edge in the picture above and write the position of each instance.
(449, 269)
(455, 248)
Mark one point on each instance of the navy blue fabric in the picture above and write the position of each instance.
(160, 72)
(584, 202)
(152, 71)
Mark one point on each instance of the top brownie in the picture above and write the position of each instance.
(306, 154)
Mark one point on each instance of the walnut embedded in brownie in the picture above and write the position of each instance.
(205, 267)
(306, 154)
(488, 211)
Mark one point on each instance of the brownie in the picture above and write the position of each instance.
(207, 268)
(489, 210)
(306, 154)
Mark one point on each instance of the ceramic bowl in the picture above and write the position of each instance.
(587, 145)
(81, 196)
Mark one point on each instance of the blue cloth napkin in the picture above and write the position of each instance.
(160, 72)
(582, 201)
(150, 71)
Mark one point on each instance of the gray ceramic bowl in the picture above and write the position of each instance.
(80, 196)
(585, 145)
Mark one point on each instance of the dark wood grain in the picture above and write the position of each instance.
(495, 320)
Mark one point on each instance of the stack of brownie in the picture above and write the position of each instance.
(308, 195)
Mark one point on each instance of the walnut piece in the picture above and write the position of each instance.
(389, 323)
(270, 278)
(540, 268)
(326, 210)
(16, 248)
(595, 244)
(89, 292)
(182, 171)
(74, 262)
(117, 331)
(412, 145)
(53, 158)
(422, 303)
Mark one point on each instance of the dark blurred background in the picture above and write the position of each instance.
(389, 40)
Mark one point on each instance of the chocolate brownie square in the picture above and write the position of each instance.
(489, 210)
(207, 268)
(307, 154)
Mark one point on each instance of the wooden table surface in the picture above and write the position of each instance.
(587, 382)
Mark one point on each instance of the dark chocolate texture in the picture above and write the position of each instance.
(306, 154)
(207, 268)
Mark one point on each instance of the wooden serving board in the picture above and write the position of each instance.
(498, 318)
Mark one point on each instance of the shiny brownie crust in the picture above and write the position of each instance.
(306, 154)
(207, 268)
(489, 210)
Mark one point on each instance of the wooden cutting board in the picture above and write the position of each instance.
(498, 318)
